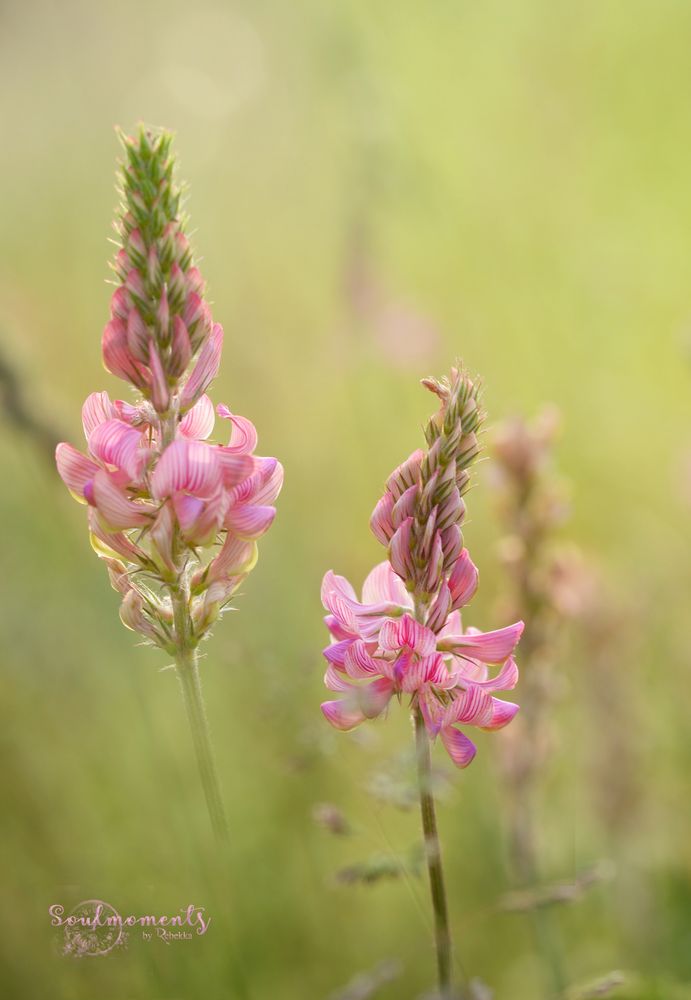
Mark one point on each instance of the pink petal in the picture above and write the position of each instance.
(336, 629)
(419, 671)
(373, 698)
(160, 394)
(75, 469)
(116, 541)
(405, 632)
(404, 506)
(406, 474)
(205, 370)
(461, 750)
(342, 715)
(263, 486)
(502, 714)
(96, 410)
(199, 422)
(235, 468)
(235, 557)
(250, 521)
(187, 510)
(380, 522)
(358, 662)
(116, 509)
(336, 652)
(399, 550)
(489, 647)
(243, 433)
(335, 681)
(473, 707)
(187, 466)
(162, 534)
(118, 444)
(117, 357)
(463, 580)
(383, 586)
(506, 679)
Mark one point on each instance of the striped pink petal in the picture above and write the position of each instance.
(96, 410)
(463, 580)
(460, 749)
(199, 422)
(335, 681)
(160, 393)
(421, 670)
(205, 370)
(75, 469)
(235, 469)
(405, 632)
(115, 508)
(488, 647)
(380, 522)
(118, 444)
(336, 652)
(336, 628)
(235, 557)
(473, 707)
(383, 586)
(506, 679)
(250, 521)
(105, 543)
(399, 550)
(502, 714)
(243, 433)
(358, 662)
(117, 357)
(186, 466)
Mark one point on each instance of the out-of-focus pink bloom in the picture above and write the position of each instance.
(378, 649)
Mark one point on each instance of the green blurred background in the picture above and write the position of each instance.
(375, 189)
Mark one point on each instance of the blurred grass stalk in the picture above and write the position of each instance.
(530, 508)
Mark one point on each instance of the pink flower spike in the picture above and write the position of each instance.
(205, 370)
(75, 469)
(190, 466)
(488, 647)
(243, 433)
(460, 749)
(463, 580)
(199, 422)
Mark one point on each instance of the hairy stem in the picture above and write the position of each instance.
(442, 935)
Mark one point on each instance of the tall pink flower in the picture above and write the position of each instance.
(175, 511)
(406, 637)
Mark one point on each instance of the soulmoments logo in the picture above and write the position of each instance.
(94, 927)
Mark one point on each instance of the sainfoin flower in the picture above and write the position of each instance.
(177, 498)
(406, 637)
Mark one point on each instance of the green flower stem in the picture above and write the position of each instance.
(187, 667)
(442, 934)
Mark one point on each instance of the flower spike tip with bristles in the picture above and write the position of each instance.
(175, 516)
